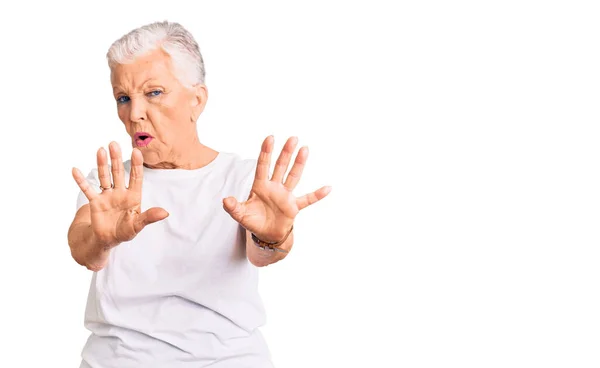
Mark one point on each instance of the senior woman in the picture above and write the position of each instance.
(175, 234)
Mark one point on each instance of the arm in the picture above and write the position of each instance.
(111, 216)
(271, 207)
(263, 257)
(85, 248)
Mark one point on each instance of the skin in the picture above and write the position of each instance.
(151, 99)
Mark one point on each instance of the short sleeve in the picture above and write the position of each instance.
(94, 182)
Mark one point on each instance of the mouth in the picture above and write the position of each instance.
(142, 139)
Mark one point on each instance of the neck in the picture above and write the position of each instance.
(190, 156)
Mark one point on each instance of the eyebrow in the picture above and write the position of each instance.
(143, 84)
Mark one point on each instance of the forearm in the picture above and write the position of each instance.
(85, 248)
(264, 257)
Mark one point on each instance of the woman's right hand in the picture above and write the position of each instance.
(115, 214)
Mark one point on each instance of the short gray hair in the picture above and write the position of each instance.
(173, 38)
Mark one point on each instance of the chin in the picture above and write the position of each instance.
(150, 157)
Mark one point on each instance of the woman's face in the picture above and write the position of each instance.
(159, 113)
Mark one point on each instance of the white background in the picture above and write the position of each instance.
(461, 140)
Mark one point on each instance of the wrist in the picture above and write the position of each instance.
(269, 253)
(98, 253)
(263, 256)
(274, 237)
(269, 242)
(101, 243)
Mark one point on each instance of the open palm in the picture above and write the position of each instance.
(115, 213)
(271, 207)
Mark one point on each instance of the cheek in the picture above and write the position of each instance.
(123, 114)
(164, 116)
(174, 107)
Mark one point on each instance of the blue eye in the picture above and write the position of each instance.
(122, 99)
(154, 93)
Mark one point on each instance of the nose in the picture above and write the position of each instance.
(138, 110)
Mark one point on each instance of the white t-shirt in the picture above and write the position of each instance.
(182, 293)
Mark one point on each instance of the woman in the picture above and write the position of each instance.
(174, 253)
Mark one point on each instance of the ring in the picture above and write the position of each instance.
(111, 186)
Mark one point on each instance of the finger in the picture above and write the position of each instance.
(118, 171)
(296, 172)
(264, 159)
(234, 208)
(103, 173)
(137, 170)
(85, 187)
(283, 161)
(311, 198)
(148, 217)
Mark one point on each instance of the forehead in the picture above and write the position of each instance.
(154, 65)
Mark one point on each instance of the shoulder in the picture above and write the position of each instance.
(238, 172)
(236, 166)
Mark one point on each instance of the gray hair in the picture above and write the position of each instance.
(173, 39)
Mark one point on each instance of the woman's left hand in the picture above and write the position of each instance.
(271, 208)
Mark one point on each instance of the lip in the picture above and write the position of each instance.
(137, 137)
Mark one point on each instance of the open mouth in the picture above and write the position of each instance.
(142, 139)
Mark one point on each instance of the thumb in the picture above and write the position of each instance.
(234, 208)
(150, 216)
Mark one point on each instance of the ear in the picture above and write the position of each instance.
(198, 101)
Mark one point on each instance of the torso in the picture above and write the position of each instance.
(182, 293)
